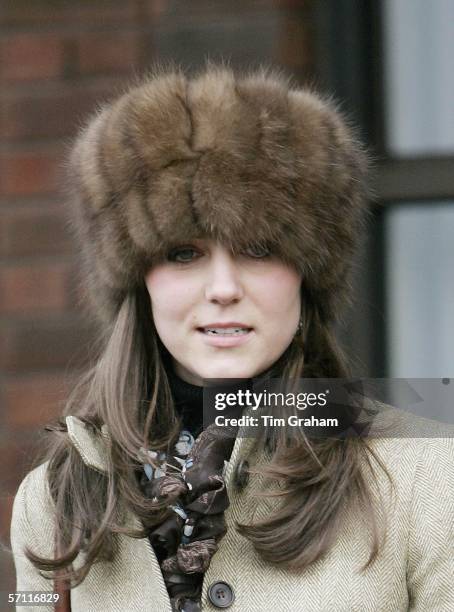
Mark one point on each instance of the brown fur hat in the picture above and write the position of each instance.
(243, 159)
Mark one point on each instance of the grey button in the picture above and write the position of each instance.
(221, 594)
(241, 474)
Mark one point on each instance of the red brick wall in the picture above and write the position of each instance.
(57, 60)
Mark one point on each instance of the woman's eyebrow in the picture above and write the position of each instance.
(182, 243)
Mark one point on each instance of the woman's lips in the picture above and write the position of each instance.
(224, 339)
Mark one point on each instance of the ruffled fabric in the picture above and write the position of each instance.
(193, 476)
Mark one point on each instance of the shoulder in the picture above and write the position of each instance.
(433, 483)
(33, 492)
(396, 434)
(32, 516)
(418, 455)
(412, 448)
(33, 508)
(413, 461)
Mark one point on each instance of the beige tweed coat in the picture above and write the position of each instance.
(414, 572)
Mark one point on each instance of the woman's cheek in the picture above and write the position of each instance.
(169, 290)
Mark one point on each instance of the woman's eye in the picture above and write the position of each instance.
(182, 254)
(257, 251)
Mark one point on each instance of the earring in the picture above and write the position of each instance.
(299, 329)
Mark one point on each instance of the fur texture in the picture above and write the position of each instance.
(243, 159)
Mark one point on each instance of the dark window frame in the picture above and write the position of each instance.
(349, 64)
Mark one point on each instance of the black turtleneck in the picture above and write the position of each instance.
(188, 402)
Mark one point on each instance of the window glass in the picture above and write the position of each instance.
(420, 289)
(418, 42)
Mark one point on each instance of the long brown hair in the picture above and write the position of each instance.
(128, 390)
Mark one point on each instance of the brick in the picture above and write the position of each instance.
(61, 12)
(51, 112)
(77, 295)
(206, 10)
(101, 52)
(156, 8)
(105, 12)
(33, 288)
(7, 571)
(40, 345)
(31, 401)
(34, 231)
(6, 507)
(295, 45)
(295, 4)
(18, 454)
(28, 173)
(27, 56)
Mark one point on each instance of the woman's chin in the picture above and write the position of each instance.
(226, 371)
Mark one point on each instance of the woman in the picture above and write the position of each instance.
(217, 218)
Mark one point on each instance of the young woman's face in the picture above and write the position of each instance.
(222, 315)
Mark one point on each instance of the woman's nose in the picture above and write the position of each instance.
(223, 283)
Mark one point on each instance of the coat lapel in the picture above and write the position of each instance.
(147, 583)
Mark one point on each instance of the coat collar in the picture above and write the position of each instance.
(94, 447)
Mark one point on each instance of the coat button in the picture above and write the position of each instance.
(221, 594)
(242, 474)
